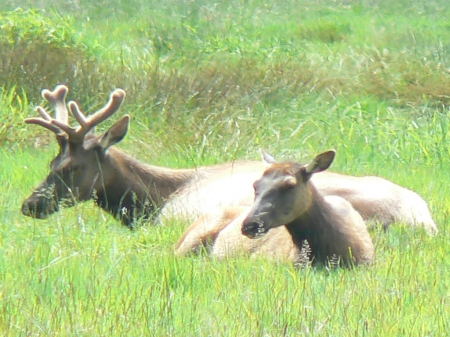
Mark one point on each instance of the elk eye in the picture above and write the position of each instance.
(75, 167)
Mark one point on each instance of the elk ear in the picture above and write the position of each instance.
(321, 162)
(115, 133)
(266, 158)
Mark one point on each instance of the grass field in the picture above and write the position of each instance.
(209, 83)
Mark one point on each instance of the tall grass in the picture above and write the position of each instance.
(208, 83)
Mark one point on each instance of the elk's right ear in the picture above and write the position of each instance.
(266, 158)
(115, 133)
(321, 162)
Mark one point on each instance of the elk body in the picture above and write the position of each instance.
(286, 196)
(89, 166)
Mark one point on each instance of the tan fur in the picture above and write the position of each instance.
(211, 191)
(227, 239)
(222, 230)
(277, 245)
(206, 228)
(378, 200)
(278, 242)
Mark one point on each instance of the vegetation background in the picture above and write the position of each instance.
(209, 82)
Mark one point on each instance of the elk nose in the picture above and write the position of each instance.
(251, 229)
(25, 209)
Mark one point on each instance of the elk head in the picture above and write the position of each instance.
(283, 193)
(77, 171)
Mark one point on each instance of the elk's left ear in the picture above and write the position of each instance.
(321, 162)
(115, 133)
(267, 159)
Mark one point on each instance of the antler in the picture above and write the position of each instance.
(57, 98)
(60, 125)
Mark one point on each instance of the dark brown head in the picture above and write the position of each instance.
(76, 171)
(283, 193)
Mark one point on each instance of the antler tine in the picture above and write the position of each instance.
(44, 114)
(115, 101)
(44, 121)
(45, 124)
(89, 123)
(57, 98)
(78, 114)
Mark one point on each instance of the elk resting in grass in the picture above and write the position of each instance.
(286, 196)
(287, 212)
(88, 166)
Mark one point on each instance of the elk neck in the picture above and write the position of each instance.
(313, 224)
(133, 189)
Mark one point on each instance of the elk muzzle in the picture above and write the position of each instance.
(39, 207)
(253, 228)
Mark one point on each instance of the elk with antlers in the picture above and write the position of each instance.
(88, 166)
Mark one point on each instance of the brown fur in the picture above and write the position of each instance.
(333, 229)
(128, 188)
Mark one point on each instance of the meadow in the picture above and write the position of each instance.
(209, 83)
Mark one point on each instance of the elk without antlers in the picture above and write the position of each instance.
(285, 195)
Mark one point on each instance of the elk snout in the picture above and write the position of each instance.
(253, 228)
(39, 209)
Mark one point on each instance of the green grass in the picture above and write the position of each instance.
(207, 83)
